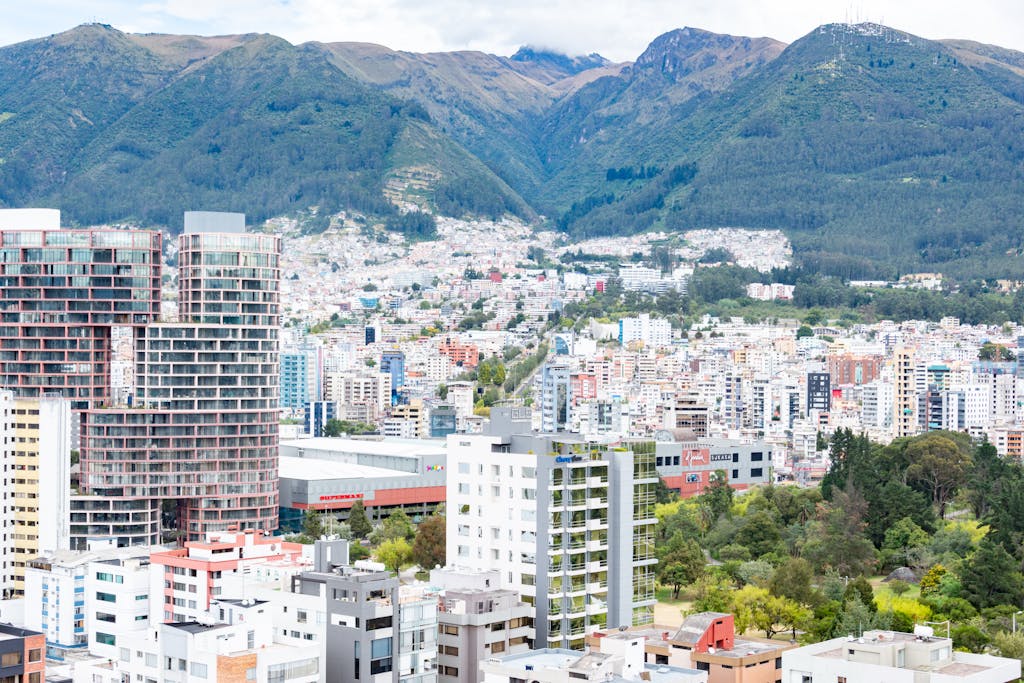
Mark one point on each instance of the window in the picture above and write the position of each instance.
(756, 457)
(104, 616)
(756, 472)
(106, 597)
(112, 578)
(35, 677)
(198, 670)
(735, 474)
(450, 630)
(379, 622)
(35, 655)
(105, 638)
(125, 654)
(10, 659)
(300, 616)
(250, 674)
(463, 468)
(840, 679)
(151, 660)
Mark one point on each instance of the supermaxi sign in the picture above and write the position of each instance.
(568, 458)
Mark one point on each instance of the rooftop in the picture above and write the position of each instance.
(315, 469)
(383, 446)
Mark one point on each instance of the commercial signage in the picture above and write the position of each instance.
(721, 456)
(341, 496)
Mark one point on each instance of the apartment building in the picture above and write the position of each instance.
(36, 455)
(894, 657)
(88, 600)
(620, 659)
(238, 648)
(477, 620)
(203, 430)
(568, 523)
(62, 291)
(375, 632)
(190, 578)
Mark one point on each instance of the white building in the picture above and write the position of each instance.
(240, 648)
(88, 599)
(568, 523)
(656, 332)
(621, 659)
(894, 658)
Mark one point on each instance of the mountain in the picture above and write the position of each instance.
(876, 151)
(596, 127)
(109, 126)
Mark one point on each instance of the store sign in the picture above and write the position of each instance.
(341, 496)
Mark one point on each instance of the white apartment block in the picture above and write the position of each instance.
(36, 455)
(88, 599)
(652, 332)
(893, 657)
(568, 523)
(240, 648)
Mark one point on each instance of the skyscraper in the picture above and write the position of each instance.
(61, 294)
(203, 430)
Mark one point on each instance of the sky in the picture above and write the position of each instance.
(617, 29)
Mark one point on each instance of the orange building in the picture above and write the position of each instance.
(462, 355)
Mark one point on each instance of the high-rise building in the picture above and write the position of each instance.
(819, 391)
(568, 523)
(36, 457)
(62, 292)
(555, 397)
(905, 393)
(203, 429)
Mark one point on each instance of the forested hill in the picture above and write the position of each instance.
(876, 151)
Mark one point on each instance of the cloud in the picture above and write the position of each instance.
(618, 29)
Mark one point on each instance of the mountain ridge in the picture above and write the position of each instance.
(876, 150)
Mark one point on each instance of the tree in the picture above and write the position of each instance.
(483, 374)
(1010, 644)
(717, 496)
(938, 465)
(804, 331)
(838, 540)
(932, 579)
(663, 494)
(398, 525)
(903, 544)
(682, 564)
(395, 553)
(357, 519)
(995, 352)
(759, 532)
(794, 579)
(428, 548)
(990, 576)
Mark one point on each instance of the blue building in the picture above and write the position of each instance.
(317, 415)
(295, 372)
(393, 363)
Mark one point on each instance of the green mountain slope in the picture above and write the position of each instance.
(875, 150)
(252, 124)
